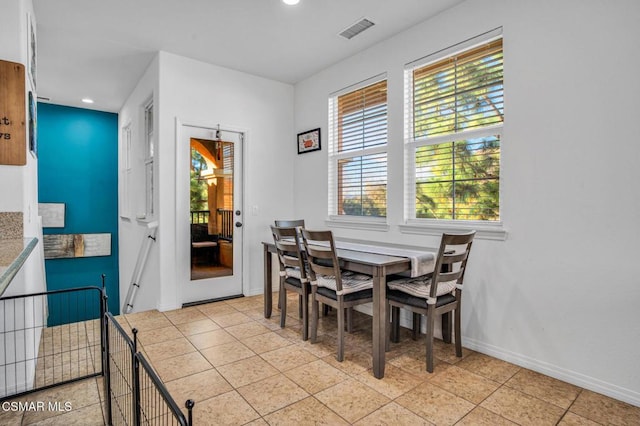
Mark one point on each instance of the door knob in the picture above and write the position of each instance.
(238, 224)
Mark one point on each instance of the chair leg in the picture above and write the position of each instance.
(282, 299)
(325, 310)
(458, 333)
(300, 306)
(430, 331)
(304, 299)
(314, 318)
(416, 325)
(446, 327)
(340, 313)
(349, 320)
(395, 324)
(387, 327)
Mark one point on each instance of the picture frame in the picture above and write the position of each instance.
(52, 214)
(32, 58)
(68, 246)
(33, 128)
(309, 141)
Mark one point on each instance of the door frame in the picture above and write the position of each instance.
(183, 256)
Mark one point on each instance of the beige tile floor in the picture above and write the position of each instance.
(241, 368)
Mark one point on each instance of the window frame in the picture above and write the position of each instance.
(429, 226)
(335, 156)
(125, 170)
(149, 159)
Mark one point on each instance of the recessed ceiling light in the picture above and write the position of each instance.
(87, 100)
(290, 2)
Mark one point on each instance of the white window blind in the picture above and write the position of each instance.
(454, 115)
(358, 151)
(125, 171)
(149, 160)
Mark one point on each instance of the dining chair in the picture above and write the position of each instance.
(330, 285)
(297, 223)
(434, 294)
(293, 273)
(201, 241)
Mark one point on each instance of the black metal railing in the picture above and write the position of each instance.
(199, 216)
(119, 375)
(135, 393)
(226, 224)
(50, 339)
(155, 406)
(61, 336)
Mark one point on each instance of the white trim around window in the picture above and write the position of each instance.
(454, 116)
(358, 147)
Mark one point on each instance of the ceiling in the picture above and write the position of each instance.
(100, 48)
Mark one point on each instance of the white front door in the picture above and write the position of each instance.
(209, 212)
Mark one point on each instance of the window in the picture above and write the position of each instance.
(125, 170)
(454, 114)
(358, 151)
(148, 159)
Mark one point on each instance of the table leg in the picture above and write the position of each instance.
(267, 283)
(379, 321)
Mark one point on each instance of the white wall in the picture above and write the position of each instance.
(559, 295)
(22, 194)
(19, 184)
(203, 94)
(12, 33)
(19, 193)
(199, 93)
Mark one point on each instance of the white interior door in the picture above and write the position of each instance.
(209, 212)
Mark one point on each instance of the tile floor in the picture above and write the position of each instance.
(241, 368)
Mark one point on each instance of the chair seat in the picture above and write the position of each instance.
(349, 297)
(293, 281)
(294, 272)
(419, 302)
(351, 282)
(204, 244)
(421, 286)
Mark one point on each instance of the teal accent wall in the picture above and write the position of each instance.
(78, 166)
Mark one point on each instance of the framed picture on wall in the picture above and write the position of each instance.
(33, 128)
(309, 141)
(31, 51)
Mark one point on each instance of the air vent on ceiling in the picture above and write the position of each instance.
(356, 28)
(42, 98)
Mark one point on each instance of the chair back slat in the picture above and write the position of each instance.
(449, 276)
(452, 255)
(297, 223)
(288, 248)
(451, 258)
(321, 255)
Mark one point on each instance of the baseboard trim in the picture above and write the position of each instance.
(591, 383)
(219, 299)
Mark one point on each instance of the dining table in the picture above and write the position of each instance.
(367, 259)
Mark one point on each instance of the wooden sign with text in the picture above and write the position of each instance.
(13, 134)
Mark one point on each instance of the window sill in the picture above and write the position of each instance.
(149, 222)
(355, 222)
(484, 231)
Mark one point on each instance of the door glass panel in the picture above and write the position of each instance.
(211, 205)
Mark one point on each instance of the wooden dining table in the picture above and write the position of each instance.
(379, 266)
